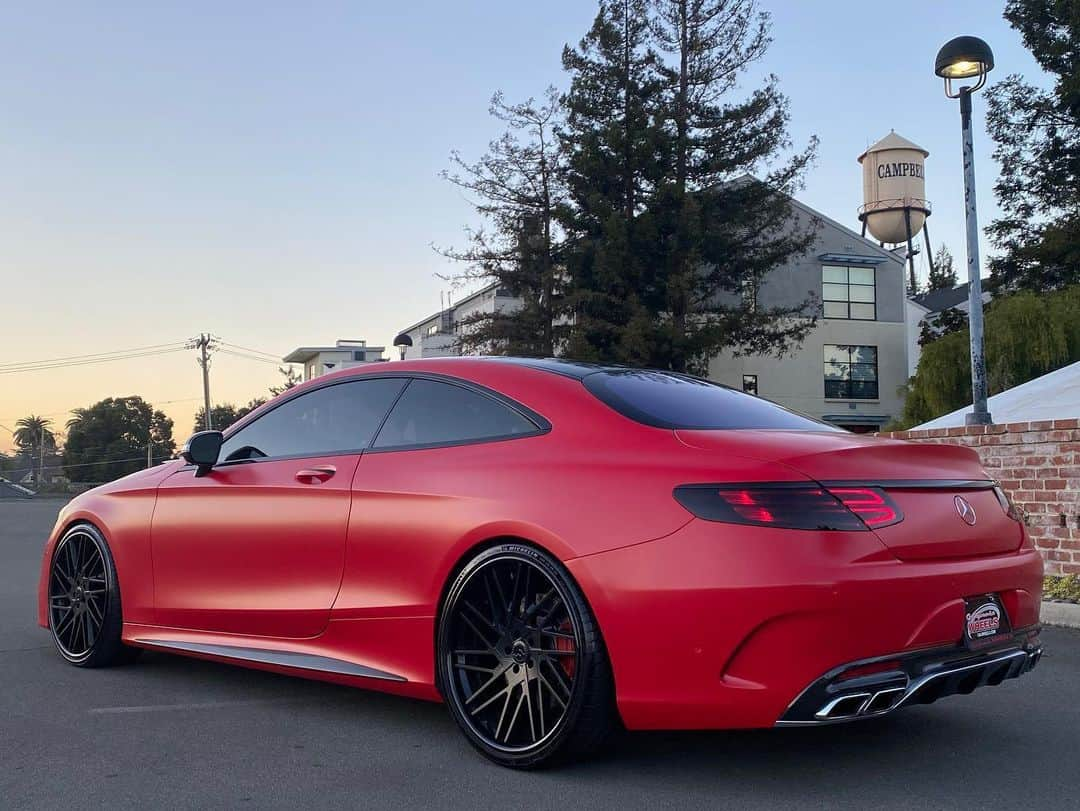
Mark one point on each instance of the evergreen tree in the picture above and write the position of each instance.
(672, 237)
(1037, 133)
(614, 139)
(723, 232)
(943, 273)
(517, 190)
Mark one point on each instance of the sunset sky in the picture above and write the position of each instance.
(269, 172)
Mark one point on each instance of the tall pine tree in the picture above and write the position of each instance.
(613, 138)
(517, 189)
(673, 236)
(943, 273)
(723, 232)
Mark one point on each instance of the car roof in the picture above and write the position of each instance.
(577, 369)
(458, 364)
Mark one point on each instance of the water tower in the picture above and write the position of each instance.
(894, 205)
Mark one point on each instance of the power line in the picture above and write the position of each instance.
(91, 355)
(252, 351)
(111, 461)
(70, 363)
(249, 357)
(150, 401)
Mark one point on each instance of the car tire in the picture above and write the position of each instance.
(516, 631)
(85, 614)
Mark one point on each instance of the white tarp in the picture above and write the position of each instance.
(1054, 396)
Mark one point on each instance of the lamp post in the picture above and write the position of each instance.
(970, 58)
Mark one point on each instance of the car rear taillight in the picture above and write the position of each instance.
(791, 505)
(869, 503)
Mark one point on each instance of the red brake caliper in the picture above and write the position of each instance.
(569, 663)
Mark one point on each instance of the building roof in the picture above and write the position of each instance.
(855, 236)
(937, 301)
(305, 353)
(1054, 396)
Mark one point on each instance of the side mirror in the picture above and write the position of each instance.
(202, 450)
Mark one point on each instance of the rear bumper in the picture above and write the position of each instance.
(911, 678)
(719, 626)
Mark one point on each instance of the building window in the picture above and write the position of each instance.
(851, 372)
(848, 292)
(749, 384)
(358, 356)
(432, 329)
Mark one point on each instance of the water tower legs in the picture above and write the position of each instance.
(929, 250)
(913, 286)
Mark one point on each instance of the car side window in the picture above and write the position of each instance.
(435, 413)
(341, 417)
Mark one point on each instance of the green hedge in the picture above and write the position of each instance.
(1066, 587)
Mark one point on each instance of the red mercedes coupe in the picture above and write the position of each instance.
(553, 548)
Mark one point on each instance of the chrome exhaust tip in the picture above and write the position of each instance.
(848, 706)
(855, 705)
(884, 700)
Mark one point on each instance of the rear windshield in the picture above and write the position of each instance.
(669, 400)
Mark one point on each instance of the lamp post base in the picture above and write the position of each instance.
(976, 418)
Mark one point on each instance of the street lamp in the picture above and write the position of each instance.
(970, 58)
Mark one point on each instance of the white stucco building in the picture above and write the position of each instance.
(436, 335)
(344, 354)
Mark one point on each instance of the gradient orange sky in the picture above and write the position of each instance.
(268, 172)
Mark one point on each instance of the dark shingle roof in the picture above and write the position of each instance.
(937, 300)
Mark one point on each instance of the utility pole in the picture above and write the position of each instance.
(150, 453)
(204, 343)
(41, 454)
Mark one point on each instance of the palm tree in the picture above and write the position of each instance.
(32, 434)
(80, 415)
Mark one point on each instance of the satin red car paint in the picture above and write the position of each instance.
(707, 624)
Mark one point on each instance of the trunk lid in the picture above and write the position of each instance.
(939, 488)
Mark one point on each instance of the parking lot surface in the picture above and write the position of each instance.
(180, 733)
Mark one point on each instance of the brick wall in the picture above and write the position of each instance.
(1038, 465)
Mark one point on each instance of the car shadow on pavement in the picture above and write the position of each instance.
(881, 744)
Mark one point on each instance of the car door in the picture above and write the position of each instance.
(256, 546)
(429, 476)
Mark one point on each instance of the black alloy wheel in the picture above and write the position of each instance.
(521, 661)
(84, 600)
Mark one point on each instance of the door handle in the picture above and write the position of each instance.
(315, 475)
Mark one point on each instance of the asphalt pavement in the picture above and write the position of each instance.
(173, 732)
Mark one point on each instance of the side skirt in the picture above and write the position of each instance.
(280, 658)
